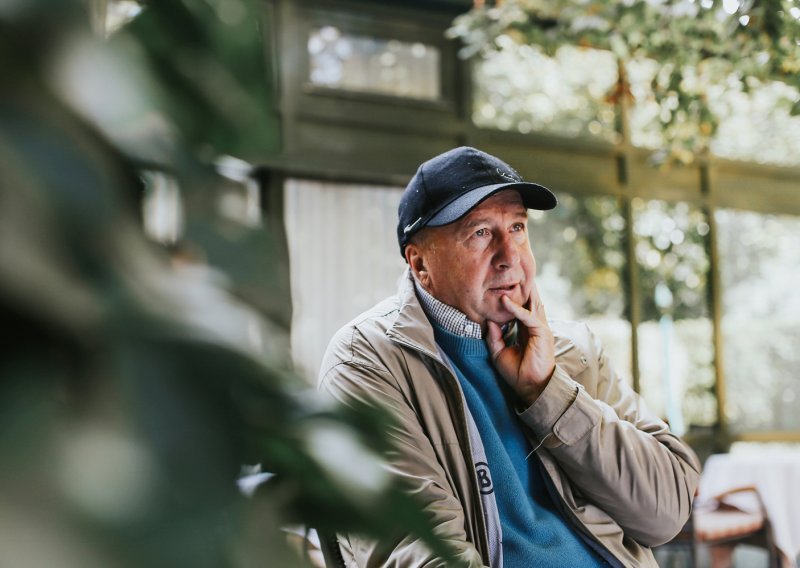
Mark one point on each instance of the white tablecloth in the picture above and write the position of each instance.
(776, 476)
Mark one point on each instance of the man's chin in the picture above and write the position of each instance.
(501, 317)
(498, 314)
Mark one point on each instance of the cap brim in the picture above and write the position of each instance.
(534, 196)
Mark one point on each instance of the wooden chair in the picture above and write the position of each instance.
(724, 526)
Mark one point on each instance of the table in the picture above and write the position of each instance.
(776, 477)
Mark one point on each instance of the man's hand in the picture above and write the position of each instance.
(528, 366)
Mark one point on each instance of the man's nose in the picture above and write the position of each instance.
(506, 254)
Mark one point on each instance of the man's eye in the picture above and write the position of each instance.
(481, 232)
(519, 227)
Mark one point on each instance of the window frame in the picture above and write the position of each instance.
(581, 167)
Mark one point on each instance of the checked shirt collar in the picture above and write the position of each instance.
(447, 317)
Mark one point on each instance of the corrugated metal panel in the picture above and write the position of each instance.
(344, 258)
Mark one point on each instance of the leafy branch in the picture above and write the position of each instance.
(701, 48)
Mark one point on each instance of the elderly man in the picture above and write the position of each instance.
(523, 445)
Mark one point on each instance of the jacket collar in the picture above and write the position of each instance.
(411, 326)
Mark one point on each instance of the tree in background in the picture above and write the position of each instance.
(693, 54)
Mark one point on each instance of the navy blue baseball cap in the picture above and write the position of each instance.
(450, 185)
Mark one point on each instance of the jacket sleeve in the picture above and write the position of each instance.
(413, 461)
(622, 458)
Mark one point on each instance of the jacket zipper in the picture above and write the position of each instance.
(455, 393)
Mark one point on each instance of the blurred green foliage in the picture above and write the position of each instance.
(701, 49)
(671, 249)
(593, 260)
(215, 59)
(581, 252)
(130, 396)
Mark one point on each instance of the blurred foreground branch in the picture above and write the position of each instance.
(132, 392)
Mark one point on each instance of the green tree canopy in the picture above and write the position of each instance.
(699, 46)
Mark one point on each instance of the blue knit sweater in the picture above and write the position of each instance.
(534, 533)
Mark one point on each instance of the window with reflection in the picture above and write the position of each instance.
(645, 114)
(580, 257)
(675, 336)
(518, 87)
(373, 65)
(755, 125)
(759, 270)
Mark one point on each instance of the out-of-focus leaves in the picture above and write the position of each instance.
(132, 391)
(212, 53)
(749, 44)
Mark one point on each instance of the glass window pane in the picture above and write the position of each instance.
(754, 125)
(676, 353)
(520, 88)
(645, 113)
(372, 65)
(757, 126)
(580, 258)
(759, 270)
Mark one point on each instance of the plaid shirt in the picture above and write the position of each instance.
(447, 317)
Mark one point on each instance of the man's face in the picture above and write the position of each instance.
(484, 255)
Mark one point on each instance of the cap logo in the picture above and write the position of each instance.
(506, 175)
(410, 227)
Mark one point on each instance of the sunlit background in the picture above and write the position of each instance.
(223, 176)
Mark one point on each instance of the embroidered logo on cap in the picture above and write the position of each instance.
(410, 227)
(508, 175)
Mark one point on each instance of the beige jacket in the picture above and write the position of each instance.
(623, 477)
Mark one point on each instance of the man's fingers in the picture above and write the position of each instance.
(528, 318)
(494, 339)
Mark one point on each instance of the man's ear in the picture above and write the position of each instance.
(415, 257)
